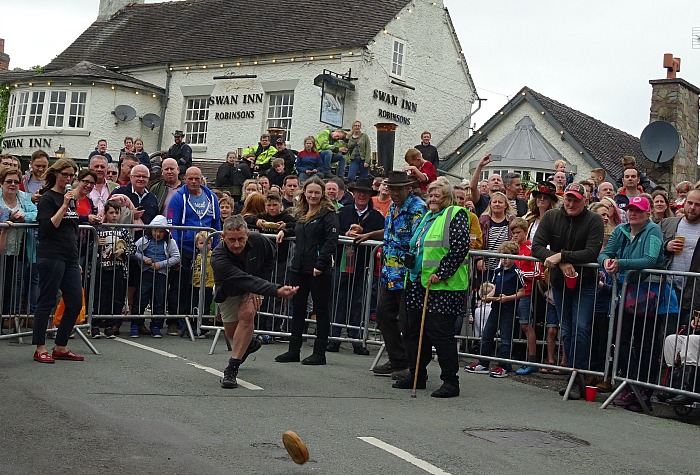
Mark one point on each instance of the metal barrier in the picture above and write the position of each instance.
(654, 347)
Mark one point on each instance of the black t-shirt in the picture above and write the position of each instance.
(56, 242)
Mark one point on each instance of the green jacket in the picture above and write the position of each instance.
(262, 157)
(363, 146)
(323, 141)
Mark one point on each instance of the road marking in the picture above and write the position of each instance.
(209, 370)
(402, 454)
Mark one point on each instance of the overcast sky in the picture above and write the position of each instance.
(595, 56)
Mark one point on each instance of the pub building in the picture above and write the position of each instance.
(227, 71)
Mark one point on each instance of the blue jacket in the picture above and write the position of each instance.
(642, 252)
(181, 213)
(307, 161)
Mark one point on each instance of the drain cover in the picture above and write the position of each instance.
(528, 438)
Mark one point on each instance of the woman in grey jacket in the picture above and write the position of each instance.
(359, 152)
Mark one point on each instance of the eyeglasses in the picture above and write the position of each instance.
(111, 173)
(140, 177)
(12, 182)
(68, 176)
(87, 182)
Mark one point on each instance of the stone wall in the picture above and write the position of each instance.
(676, 101)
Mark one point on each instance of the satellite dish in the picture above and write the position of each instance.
(151, 120)
(124, 113)
(660, 141)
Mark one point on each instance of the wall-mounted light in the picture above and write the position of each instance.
(48, 83)
(60, 153)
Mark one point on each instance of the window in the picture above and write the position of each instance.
(397, 58)
(46, 108)
(279, 111)
(196, 120)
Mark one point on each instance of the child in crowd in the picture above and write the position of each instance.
(116, 245)
(560, 166)
(157, 254)
(597, 177)
(309, 161)
(203, 253)
(531, 271)
(277, 174)
(509, 286)
(226, 205)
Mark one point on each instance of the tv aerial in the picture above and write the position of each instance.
(660, 141)
(151, 121)
(124, 113)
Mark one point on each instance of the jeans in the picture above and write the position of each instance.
(391, 320)
(303, 176)
(501, 319)
(357, 165)
(153, 289)
(55, 275)
(438, 332)
(328, 157)
(180, 287)
(575, 310)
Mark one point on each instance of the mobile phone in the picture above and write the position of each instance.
(494, 157)
(139, 208)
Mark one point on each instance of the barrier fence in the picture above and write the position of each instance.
(635, 337)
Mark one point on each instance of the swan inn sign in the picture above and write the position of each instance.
(33, 143)
(233, 100)
(394, 100)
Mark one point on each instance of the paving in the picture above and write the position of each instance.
(131, 410)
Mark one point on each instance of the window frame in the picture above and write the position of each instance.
(283, 122)
(189, 123)
(398, 59)
(20, 112)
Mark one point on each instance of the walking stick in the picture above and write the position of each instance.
(420, 340)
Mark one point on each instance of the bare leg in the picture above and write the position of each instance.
(551, 344)
(243, 332)
(531, 341)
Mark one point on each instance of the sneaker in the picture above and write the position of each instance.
(525, 370)
(625, 398)
(173, 330)
(266, 339)
(95, 333)
(112, 332)
(201, 335)
(498, 372)
(254, 346)
(155, 332)
(476, 368)
(134, 332)
(229, 381)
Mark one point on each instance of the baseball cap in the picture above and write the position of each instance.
(279, 141)
(576, 189)
(639, 202)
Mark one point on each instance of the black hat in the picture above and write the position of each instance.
(178, 133)
(397, 178)
(363, 184)
(545, 188)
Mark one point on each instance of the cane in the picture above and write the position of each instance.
(420, 340)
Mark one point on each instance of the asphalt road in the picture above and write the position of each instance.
(130, 410)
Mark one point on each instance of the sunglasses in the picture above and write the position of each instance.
(12, 182)
(87, 182)
(111, 173)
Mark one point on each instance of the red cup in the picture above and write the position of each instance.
(571, 281)
(591, 391)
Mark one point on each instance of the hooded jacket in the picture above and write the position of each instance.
(181, 213)
(642, 252)
(172, 255)
(316, 242)
(578, 238)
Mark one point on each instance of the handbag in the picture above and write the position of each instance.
(58, 314)
(639, 298)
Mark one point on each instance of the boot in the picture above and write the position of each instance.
(291, 356)
(318, 357)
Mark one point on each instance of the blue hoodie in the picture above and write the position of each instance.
(181, 213)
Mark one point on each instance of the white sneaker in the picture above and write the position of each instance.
(476, 368)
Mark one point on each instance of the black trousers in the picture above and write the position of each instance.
(320, 289)
(438, 332)
(391, 319)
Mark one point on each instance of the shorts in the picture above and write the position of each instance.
(525, 313)
(552, 317)
(229, 309)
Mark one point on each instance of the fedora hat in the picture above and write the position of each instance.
(397, 178)
(363, 184)
(178, 133)
(545, 188)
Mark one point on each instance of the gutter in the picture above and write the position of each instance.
(164, 104)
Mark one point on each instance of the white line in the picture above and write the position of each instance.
(209, 370)
(404, 455)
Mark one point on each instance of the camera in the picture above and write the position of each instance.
(409, 260)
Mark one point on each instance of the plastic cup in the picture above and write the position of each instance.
(571, 281)
(681, 239)
(591, 391)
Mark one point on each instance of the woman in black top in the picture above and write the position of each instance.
(57, 261)
(311, 269)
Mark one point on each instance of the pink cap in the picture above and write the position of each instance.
(639, 202)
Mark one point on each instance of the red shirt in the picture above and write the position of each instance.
(531, 270)
(428, 170)
(83, 207)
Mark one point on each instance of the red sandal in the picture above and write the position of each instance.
(43, 357)
(68, 355)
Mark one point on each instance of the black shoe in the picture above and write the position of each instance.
(407, 383)
(333, 347)
(387, 368)
(143, 330)
(314, 360)
(254, 346)
(680, 400)
(404, 373)
(574, 394)
(288, 357)
(229, 381)
(360, 350)
(446, 390)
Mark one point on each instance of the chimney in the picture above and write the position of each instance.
(675, 100)
(386, 138)
(4, 58)
(109, 7)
